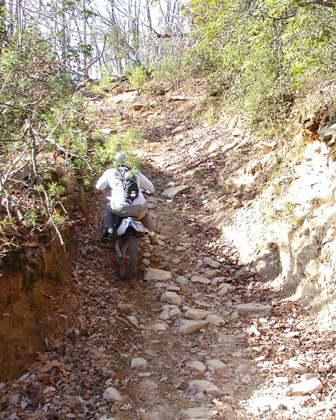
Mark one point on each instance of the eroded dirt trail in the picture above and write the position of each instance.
(173, 342)
(133, 353)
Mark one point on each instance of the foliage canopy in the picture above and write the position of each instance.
(261, 52)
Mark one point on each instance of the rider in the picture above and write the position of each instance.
(117, 205)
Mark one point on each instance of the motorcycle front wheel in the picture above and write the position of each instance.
(128, 258)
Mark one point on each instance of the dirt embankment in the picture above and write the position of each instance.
(36, 304)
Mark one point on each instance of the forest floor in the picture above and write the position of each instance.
(195, 335)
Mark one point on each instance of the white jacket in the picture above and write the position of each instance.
(110, 179)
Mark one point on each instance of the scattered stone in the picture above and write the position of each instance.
(146, 262)
(138, 363)
(181, 280)
(210, 272)
(199, 279)
(156, 326)
(246, 308)
(295, 366)
(147, 384)
(112, 395)
(201, 385)
(172, 288)
(133, 320)
(307, 376)
(215, 320)
(157, 275)
(169, 307)
(326, 132)
(196, 314)
(144, 374)
(220, 279)
(189, 327)
(211, 262)
(306, 387)
(172, 191)
(203, 304)
(216, 364)
(174, 313)
(180, 248)
(224, 289)
(197, 365)
(164, 315)
(172, 298)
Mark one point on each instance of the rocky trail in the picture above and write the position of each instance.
(195, 335)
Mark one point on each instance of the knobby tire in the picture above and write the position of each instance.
(128, 264)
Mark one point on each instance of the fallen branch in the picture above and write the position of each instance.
(49, 211)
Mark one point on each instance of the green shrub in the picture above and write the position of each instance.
(137, 77)
(256, 54)
(43, 128)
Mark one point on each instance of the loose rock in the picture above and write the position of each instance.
(172, 298)
(211, 262)
(306, 387)
(199, 279)
(189, 327)
(246, 308)
(197, 365)
(200, 385)
(112, 395)
(157, 275)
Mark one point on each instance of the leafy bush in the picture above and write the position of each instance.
(137, 77)
(172, 69)
(104, 153)
(258, 53)
(43, 131)
(102, 86)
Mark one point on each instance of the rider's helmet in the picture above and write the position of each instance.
(120, 159)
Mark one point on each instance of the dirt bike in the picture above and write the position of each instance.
(126, 244)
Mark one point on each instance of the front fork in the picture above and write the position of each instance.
(118, 249)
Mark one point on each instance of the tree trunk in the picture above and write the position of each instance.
(2, 23)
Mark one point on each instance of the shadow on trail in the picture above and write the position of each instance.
(141, 329)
